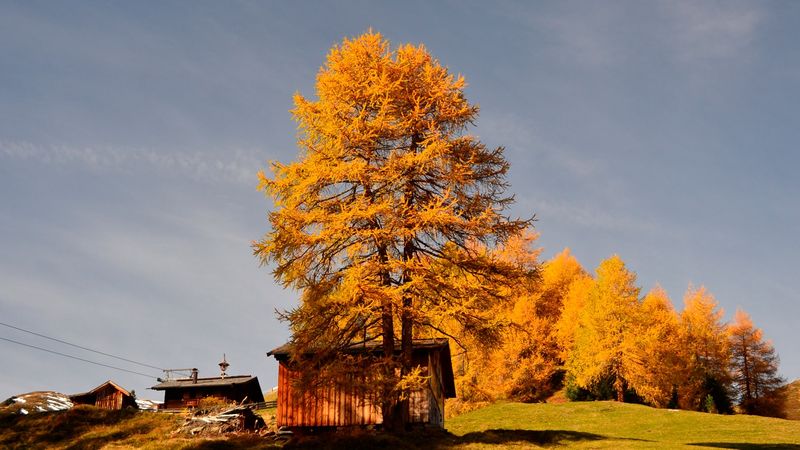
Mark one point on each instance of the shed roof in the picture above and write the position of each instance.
(107, 383)
(188, 383)
(376, 347)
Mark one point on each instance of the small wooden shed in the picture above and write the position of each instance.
(187, 392)
(343, 405)
(108, 395)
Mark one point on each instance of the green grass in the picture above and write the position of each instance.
(616, 425)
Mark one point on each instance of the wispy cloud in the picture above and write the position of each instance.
(521, 138)
(590, 216)
(712, 29)
(583, 36)
(238, 166)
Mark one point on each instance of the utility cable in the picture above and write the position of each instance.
(86, 348)
(79, 359)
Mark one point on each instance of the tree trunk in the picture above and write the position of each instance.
(406, 315)
(390, 404)
(619, 386)
(406, 350)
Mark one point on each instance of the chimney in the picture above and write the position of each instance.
(194, 376)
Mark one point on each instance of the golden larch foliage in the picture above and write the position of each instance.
(388, 189)
(601, 350)
(575, 299)
(755, 369)
(654, 348)
(705, 353)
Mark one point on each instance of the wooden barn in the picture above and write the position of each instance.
(336, 406)
(187, 392)
(108, 395)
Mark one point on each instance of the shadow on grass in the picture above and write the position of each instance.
(745, 446)
(539, 437)
(235, 442)
(439, 439)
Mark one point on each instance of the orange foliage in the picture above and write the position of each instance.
(391, 215)
(704, 352)
(755, 369)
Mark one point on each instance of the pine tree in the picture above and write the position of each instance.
(387, 186)
(755, 369)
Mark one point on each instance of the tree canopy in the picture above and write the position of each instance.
(392, 213)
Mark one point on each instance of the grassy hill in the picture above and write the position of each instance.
(503, 425)
(617, 425)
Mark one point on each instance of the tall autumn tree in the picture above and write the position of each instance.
(574, 301)
(387, 185)
(705, 354)
(486, 363)
(601, 350)
(654, 348)
(536, 368)
(528, 365)
(755, 368)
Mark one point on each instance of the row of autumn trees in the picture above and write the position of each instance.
(393, 224)
(600, 338)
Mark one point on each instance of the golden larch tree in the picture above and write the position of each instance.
(387, 185)
(705, 354)
(601, 351)
(574, 301)
(529, 362)
(654, 349)
(486, 367)
(755, 369)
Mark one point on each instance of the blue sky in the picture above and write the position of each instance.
(131, 133)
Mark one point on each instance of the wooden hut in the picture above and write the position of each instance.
(187, 392)
(342, 404)
(108, 395)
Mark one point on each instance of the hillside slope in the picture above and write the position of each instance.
(36, 402)
(499, 426)
(87, 427)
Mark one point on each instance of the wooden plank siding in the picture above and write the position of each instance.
(324, 407)
(333, 406)
(347, 403)
(109, 398)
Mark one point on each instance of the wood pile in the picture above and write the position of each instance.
(233, 420)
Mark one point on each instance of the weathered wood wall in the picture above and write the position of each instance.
(326, 407)
(108, 398)
(344, 406)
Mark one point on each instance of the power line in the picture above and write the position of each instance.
(79, 359)
(82, 347)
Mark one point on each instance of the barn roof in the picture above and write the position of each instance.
(95, 390)
(376, 347)
(188, 383)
